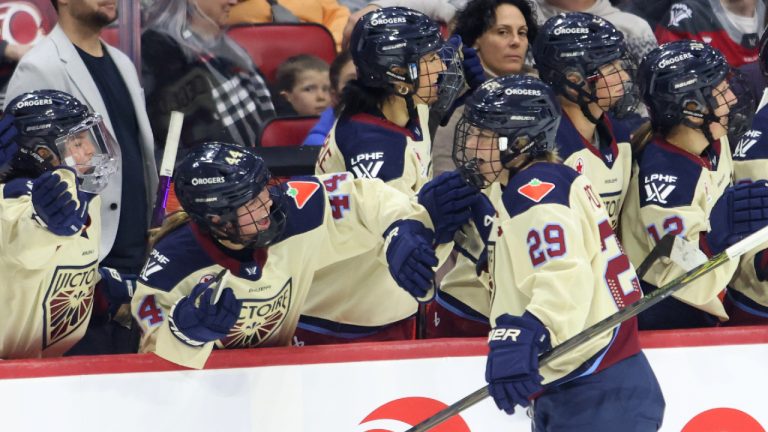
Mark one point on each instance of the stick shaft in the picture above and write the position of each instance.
(608, 323)
(166, 167)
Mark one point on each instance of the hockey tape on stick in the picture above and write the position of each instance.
(166, 166)
(218, 286)
(680, 251)
(751, 242)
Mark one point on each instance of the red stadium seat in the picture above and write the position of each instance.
(286, 131)
(270, 44)
(111, 35)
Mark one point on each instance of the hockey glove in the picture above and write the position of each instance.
(117, 288)
(55, 207)
(17, 187)
(447, 199)
(195, 321)
(410, 256)
(740, 211)
(8, 133)
(512, 369)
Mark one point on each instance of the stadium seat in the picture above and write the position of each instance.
(286, 131)
(270, 44)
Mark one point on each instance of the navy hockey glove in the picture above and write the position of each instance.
(410, 256)
(740, 211)
(195, 321)
(17, 187)
(54, 205)
(8, 133)
(512, 369)
(474, 74)
(447, 199)
(117, 287)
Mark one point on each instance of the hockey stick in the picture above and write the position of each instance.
(735, 251)
(166, 167)
(679, 250)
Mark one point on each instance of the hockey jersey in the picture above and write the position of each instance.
(47, 284)
(750, 163)
(350, 292)
(673, 191)
(552, 252)
(329, 219)
(706, 21)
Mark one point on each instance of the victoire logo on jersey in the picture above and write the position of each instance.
(367, 165)
(68, 301)
(658, 187)
(259, 319)
(747, 141)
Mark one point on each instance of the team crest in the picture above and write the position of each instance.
(259, 320)
(536, 189)
(68, 301)
(301, 191)
(580, 166)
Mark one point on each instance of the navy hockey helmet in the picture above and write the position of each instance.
(387, 46)
(55, 128)
(684, 79)
(220, 186)
(577, 53)
(514, 114)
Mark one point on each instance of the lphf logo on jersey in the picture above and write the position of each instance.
(68, 301)
(154, 264)
(679, 12)
(658, 187)
(259, 319)
(21, 23)
(747, 141)
(367, 165)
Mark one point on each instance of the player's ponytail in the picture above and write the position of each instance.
(641, 137)
(171, 222)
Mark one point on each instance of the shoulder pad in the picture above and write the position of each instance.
(754, 143)
(667, 176)
(173, 258)
(304, 205)
(372, 147)
(542, 183)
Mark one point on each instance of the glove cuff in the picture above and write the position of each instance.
(177, 332)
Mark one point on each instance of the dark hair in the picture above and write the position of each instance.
(337, 65)
(290, 69)
(478, 16)
(357, 98)
(55, 4)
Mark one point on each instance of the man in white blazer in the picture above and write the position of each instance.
(72, 58)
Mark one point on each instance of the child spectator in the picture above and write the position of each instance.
(342, 71)
(304, 83)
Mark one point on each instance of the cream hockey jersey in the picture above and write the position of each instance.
(329, 219)
(369, 147)
(608, 168)
(552, 252)
(750, 163)
(673, 191)
(47, 283)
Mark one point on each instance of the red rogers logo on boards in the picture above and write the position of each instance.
(21, 23)
(409, 411)
(723, 420)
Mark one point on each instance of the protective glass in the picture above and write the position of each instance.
(90, 150)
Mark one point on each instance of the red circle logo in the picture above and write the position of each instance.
(723, 420)
(22, 23)
(411, 411)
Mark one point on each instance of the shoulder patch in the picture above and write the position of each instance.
(536, 189)
(301, 191)
(667, 177)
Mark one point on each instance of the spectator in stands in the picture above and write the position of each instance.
(73, 59)
(341, 72)
(328, 13)
(637, 33)
(189, 64)
(304, 84)
(651, 11)
(731, 26)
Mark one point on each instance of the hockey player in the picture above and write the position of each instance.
(746, 300)
(49, 223)
(681, 179)
(270, 240)
(584, 59)
(403, 68)
(557, 268)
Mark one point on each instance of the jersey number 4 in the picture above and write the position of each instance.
(148, 311)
